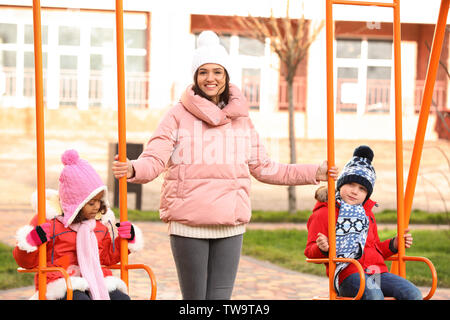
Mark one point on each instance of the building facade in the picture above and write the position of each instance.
(79, 60)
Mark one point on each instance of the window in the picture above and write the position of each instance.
(29, 34)
(102, 55)
(251, 47)
(251, 79)
(379, 49)
(364, 70)
(17, 61)
(250, 57)
(135, 63)
(8, 33)
(95, 80)
(7, 72)
(348, 49)
(348, 86)
(69, 36)
(29, 77)
(96, 62)
(68, 81)
(134, 38)
(82, 59)
(9, 59)
(100, 37)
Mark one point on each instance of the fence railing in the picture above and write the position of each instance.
(102, 87)
(299, 94)
(439, 96)
(378, 95)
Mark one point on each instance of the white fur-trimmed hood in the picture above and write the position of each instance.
(138, 243)
(52, 206)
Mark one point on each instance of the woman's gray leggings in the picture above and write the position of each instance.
(206, 267)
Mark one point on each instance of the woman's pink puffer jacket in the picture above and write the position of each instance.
(208, 154)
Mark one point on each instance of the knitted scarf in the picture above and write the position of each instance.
(88, 259)
(352, 226)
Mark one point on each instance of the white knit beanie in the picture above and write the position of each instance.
(209, 50)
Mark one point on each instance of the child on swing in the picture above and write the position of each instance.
(79, 240)
(357, 236)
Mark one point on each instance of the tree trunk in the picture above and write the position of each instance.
(292, 198)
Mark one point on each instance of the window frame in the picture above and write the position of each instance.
(362, 64)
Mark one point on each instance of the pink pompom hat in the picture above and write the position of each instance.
(78, 183)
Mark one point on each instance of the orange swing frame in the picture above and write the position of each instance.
(42, 268)
(404, 201)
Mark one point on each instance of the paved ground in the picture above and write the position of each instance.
(256, 280)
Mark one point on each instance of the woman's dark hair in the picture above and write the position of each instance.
(223, 97)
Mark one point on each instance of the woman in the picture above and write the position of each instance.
(208, 146)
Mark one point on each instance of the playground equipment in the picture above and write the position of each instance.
(123, 265)
(404, 201)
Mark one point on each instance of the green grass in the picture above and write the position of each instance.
(281, 247)
(285, 248)
(417, 217)
(9, 277)
(137, 215)
(386, 216)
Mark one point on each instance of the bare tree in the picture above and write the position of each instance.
(290, 40)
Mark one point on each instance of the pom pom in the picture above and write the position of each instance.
(70, 157)
(207, 38)
(364, 152)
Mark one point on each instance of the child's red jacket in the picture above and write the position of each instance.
(375, 251)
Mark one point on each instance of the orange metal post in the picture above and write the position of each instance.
(122, 134)
(433, 64)
(362, 278)
(42, 268)
(149, 272)
(330, 146)
(364, 3)
(40, 148)
(53, 269)
(399, 138)
(124, 266)
(432, 269)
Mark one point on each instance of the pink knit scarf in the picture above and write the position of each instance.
(89, 261)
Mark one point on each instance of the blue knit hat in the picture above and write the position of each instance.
(360, 170)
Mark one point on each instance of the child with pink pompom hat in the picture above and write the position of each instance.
(80, 240)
